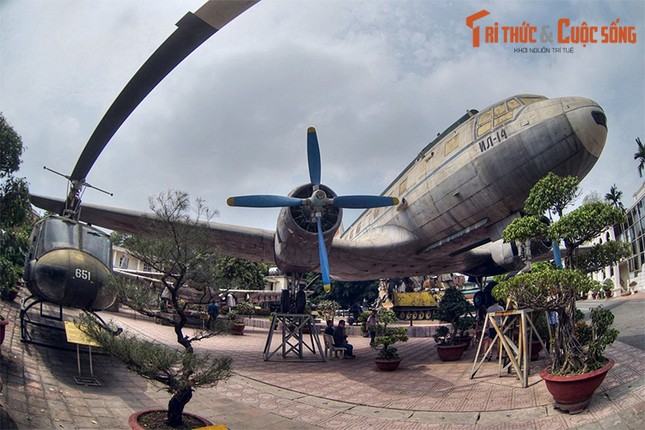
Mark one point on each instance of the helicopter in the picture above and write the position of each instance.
(69, 261)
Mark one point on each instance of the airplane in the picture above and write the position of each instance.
(444, 213)
(69, 261)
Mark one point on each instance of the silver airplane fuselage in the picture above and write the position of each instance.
(461, 191)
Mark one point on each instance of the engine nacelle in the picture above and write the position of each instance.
(296, 239)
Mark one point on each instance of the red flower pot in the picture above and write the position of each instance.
(573, 393)
(134, 423)
(238, 329)
(387, 365)
(451, 352)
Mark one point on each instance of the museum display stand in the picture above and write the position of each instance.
(297, 334)
(515, 335)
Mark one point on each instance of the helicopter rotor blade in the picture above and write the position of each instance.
(263, 201)
(193, 29)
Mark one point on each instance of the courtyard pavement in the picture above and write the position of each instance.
(424, 393)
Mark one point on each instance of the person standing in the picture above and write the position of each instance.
(213, 311)
(495, 307)
(230, 300)
(371, 324)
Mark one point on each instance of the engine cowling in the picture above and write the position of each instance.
(296, 239)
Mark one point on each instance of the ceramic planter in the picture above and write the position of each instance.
(387, 365)
(133, 421)
(573, 393)
(238, 329)
(451, 352)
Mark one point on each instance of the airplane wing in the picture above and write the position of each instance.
(241, 242)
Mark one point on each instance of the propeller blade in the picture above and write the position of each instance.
(263, 201)
(324, 261)
(192, 31)
(364, 202)
(313, 156)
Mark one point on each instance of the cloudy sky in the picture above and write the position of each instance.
(378, 80)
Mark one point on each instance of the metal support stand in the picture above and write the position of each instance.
(294, 340)
(42, 323)
(517, 326)
(44, 320)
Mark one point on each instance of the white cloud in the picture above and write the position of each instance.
(378, 80)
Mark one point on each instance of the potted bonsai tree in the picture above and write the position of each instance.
(608, 287)
(362, 320)
(578, 365)
(454, 309)
(176, 248)
(388, 357)
(236, 318)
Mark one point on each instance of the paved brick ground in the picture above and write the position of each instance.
(40, 392)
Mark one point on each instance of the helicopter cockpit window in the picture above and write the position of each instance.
(96, 244)
(58, 234)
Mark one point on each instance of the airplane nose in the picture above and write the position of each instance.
(588, 122)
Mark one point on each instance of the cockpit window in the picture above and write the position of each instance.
(96, 244)
(57, 233)
(527, 100)
(484, 123)
(502, 113)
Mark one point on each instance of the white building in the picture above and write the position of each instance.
(628, 274)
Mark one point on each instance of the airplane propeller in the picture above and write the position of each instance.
(318, 201)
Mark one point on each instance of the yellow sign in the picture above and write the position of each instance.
(76, 335)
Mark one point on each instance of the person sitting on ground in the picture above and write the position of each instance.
(340, 339)
(330, 328)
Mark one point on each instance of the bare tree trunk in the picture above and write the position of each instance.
(568, 353)
(176, 406)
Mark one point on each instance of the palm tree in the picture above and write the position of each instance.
(614, 196)
(640, 156)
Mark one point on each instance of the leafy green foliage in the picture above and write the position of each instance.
(14, 209)
(601, 256)
(639, 155)
(241, 274)
(11, 148)
(175, 246)
(345, 293)
(525, 228)
(551, 193)
(177, 369)
(602, 335)
(388, 336)
(547, 288)
(585, 223)
(453, 307)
